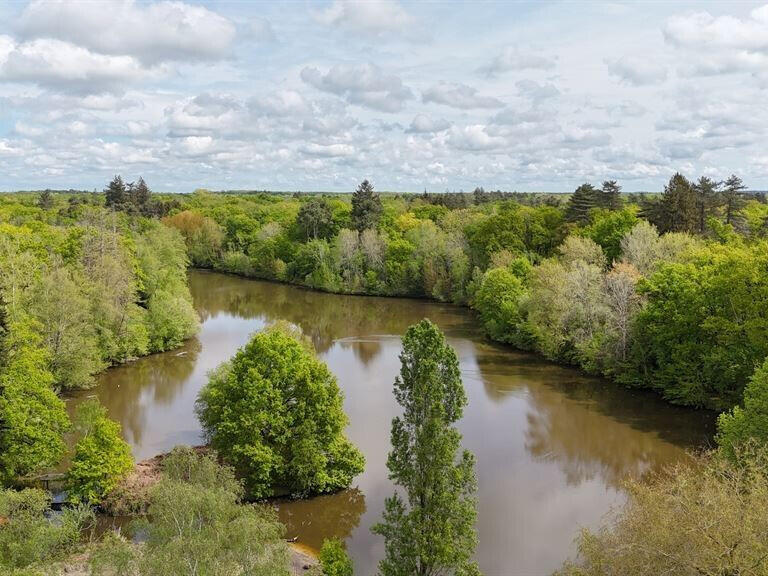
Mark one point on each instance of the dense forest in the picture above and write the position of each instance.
(664, 291)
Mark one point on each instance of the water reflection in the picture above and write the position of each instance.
(314, 520)
(552, 445)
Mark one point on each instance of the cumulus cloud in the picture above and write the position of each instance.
(701, 29)
(513, 59)
(373, 16)
(457, 95)
(715, 45)
(423, 124)
(362, 84)
(637, 71)
(328, 150)
(156, 32)
(475, 137)
(65, 66)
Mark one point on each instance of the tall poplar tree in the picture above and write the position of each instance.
(429, 531)
(366, 207)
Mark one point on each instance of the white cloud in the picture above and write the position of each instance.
(475, 137)
(376, 16)
(423, 124)
(537, 91)
(637, 71)
(328, 150)
(153, 33)
(513, 59)
(459, 95)
(61, 65)
(362, 84)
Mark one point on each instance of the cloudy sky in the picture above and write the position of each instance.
(318, 95)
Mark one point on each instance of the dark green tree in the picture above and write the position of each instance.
(315, 219)
(46, 200)
(429, 530)
(677, 210)
(610, 195)
(748, 422)
(733, 200)
(139, 196)
(707, 199)
(366, 207)
(116, 193)
(583, 199)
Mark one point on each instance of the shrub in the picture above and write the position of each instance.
(102, 458)
(334, 559)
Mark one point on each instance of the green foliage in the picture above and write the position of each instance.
(315, 219)
(498, 300)
(32, 418)
(101, 459)
(28, 538)
(705, 517)
(366, 207)
(607, 228)
(585, 198)
(334, 559)
(275, 413)
(203, 236)
(705, 326)
(749, 422)
(431, 529)
(197, 525)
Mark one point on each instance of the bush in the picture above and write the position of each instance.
(28, 537)
(706, 517)
(334, 559)
(196, 519)
(102, 458)
(498, 302)
(275, 413)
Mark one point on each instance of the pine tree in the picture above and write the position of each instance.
(610, 195)
(366, 207)
(46, 200)
(733, 199)
(678, 211)
(115, 193)
(583, 199)
(707, 193)
(139, 196)
(430, 528)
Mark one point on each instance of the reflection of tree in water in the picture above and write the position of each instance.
(593, 428)
(125, 389)
(321, 517)
(323, 317)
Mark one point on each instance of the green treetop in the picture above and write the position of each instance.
(366, 207)
(275, 412)
(429, 530)
(583, 199)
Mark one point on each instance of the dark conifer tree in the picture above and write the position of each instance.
(707, 199)
(140, 196)
(116, 193)
(366, 207)
(733, 200)
(583, 199)
(610, 195)
(678, 207)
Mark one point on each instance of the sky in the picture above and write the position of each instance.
(526, 96)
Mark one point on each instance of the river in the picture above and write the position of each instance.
(553, 446)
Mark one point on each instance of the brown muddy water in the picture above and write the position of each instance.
(552, 446)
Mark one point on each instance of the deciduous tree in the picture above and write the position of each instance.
(429, 530)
